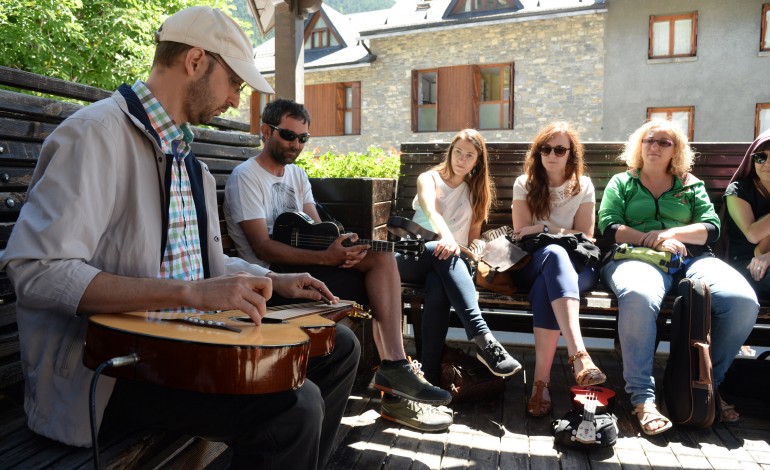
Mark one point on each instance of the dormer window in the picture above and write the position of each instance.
(319, 35)
(464, 6)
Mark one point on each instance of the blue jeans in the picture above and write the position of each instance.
(448, 283)
(640, 288)
(552, 275)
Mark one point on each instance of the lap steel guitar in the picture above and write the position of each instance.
(300, 230)
(219, 352)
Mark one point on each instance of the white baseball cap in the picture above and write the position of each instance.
(214, 31)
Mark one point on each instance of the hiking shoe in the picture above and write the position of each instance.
(405, 379)
(419, 416)
(497, 359)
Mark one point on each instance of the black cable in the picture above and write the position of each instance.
(114, 362)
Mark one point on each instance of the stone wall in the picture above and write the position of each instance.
(558, 74)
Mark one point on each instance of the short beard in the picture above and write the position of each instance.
(198, 99)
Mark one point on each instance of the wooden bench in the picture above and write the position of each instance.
(715, 165)
(25, 121)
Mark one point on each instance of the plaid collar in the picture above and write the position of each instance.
(167, 130)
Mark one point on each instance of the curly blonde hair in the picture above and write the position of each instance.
(482, 188)
(683, 158)
(538, 193)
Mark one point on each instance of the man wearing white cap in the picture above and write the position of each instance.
(121, 216)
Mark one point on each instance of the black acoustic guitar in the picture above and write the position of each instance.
(299, 230)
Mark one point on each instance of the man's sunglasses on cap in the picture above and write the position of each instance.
(289, 136)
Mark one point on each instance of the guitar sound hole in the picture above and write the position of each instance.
(248, 320)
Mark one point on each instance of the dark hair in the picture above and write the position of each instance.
(166, 52)
(277, 109)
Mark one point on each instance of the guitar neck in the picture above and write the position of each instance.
(376, 245)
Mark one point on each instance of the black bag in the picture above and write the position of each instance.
(691, 398)
(565, 429)
(581, 250)
(467, 379)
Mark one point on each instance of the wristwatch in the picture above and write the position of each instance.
(545, 228)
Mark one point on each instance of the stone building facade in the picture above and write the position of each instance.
(558, 70)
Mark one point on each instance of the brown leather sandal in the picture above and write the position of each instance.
(537, 405)
(590, 374)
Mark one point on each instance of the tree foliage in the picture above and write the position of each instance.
(356, 6)
(102, 43)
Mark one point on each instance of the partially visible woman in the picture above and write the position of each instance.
(553, 196)
(453, 200)
(659, 204)
(748, 227)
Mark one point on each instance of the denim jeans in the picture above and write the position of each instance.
(640, 288)
(552, 275)
(447, 283)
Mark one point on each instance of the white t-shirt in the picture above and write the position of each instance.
(454, 205)
(564, 205)
(254, 193)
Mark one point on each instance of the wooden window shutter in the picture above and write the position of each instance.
(321, 103)
(356, 107)
(457, 98)
(415, 92)
(339, 113)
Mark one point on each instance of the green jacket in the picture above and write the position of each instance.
(626, 201)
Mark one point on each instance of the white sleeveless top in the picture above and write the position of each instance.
(454, 205)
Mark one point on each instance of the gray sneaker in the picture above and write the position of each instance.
(420, 416)
(497, 359)
(407, 381)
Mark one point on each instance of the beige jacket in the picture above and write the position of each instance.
(96, 202)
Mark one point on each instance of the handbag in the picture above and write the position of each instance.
(664, 260)
(582, 251)
(467, 379)
(497, 256)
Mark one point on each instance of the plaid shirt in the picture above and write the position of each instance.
(182, 258)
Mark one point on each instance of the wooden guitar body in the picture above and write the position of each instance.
(231, 356)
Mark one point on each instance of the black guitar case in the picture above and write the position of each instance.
(691, 398)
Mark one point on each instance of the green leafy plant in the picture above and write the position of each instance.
(375, 163)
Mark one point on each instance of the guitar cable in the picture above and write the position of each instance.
(114, 362)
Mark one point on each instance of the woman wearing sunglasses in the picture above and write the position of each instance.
(553, 196)
(657, 203)
(748, 202)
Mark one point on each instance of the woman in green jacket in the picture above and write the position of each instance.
(657, 203)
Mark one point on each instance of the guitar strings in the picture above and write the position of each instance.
(323, 241)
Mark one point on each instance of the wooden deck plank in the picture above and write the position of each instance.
(499, 433)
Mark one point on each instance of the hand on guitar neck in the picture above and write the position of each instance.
(410, 230)
(300, 230)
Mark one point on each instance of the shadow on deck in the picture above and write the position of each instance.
(500, 434)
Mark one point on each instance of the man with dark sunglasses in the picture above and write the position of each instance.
(123, 217)
(261, 189)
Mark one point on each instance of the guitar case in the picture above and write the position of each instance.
(606, 430)
(691, 398)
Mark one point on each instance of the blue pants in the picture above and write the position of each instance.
(640, 288)
(448, 283)
(552, 275)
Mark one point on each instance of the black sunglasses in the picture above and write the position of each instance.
(559, 151)
(661, 142)
(289, 136)
(759, 157)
